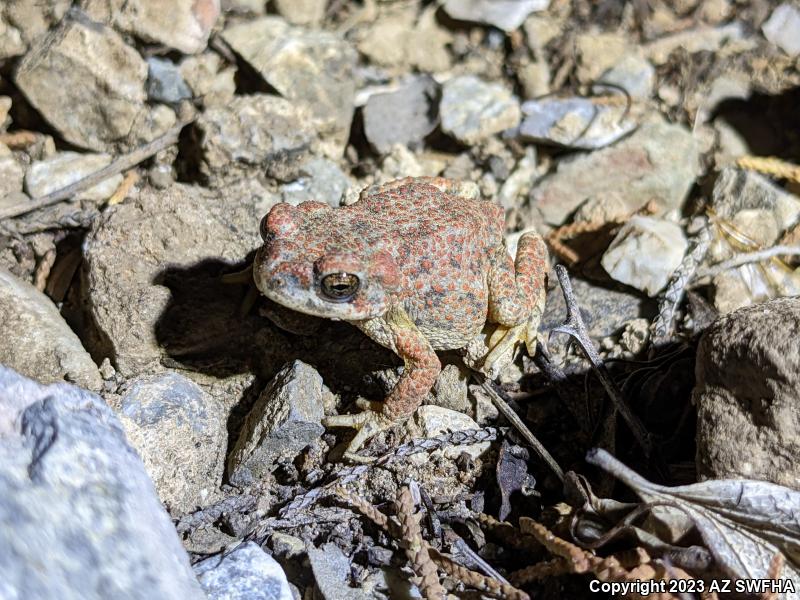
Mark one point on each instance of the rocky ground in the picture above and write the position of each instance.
(653, 143)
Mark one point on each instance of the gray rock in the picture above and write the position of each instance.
(175, 230)
(320, 179)
(472, 110)
(736, 190)
(574, 122)
(79, 516)
(747, 395)
(404, 116)
(209, 79)
(783, 28)
(63, 168)
(11, 42)
(503, 14)
(331, 572)
(286, 418)
(247, 573)
(37, 341)
(645, 253)
(658, 162)
(165, 82)
(255, 133)
(86, 82)
(634, 74)
(310, 67)
(436, 420)
(179, 431)
(180, 24)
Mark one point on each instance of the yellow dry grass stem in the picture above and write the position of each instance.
(770, 165)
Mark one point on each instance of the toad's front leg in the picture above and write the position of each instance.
(395, 331)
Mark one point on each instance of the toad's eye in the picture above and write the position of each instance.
(340, 287)
(262, 228)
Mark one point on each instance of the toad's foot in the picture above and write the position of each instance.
(367, 423)
(491, 352)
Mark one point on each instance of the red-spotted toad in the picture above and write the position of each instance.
(419, 265)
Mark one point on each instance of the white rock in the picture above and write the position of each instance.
(645, 253)
(435, 420)
(783, 28)
(472, 110)
(247, 573)
(503, 14)
(58, 171)
(634, 74)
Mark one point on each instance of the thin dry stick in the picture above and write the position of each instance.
(576, 328)
(523, 430)
(123, 163)
(416, 548)
(770, 165)
(476, 580)
(749, 257)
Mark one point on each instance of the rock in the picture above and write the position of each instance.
(130, 271)
(208, 79)
(285, 419)
(37, 341)
(503, 14)
(11, 43)
(736, 190)
(645, 253)
(86, 82)
(700, 39)
(436, 420)
(28, 20)
(311, 67)
(254, 133)
(574, 122)
(331, 568)
(302, 12)
(179, 431)
(320, 179)
(748, 404)
(471, 110)
(634, 74)
(783, 28)
(599, 52)
(534, 77)
(180, 24)
(404, 116)
(11, 173)
(152, 123)
(63, 168)
(5, 119)
(165, 82)
(246, 573)
(659, 162)
(80, 517)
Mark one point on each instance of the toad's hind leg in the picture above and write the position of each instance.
(516, 300)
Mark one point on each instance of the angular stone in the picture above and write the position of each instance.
(574, 122)
(312, 67)
(503, 14)
(747, 395)
(64, 168)
(286, 418)
(81, 520)
(180, 24)
(404, 116)
(257, 132)
(634, 74)
(320, 179)
(37, 341)
(301, 12)
(247, 573)
(208, 79)
(86, 82)
(165, 82)
(127, 270)
(179, 431)
(783, 28)
(659, 162)
(736, 190)
(472, 110)
(32, 18)
(436, 420)
(11, 173)
(645, 253)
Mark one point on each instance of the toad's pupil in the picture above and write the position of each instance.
(340, 287)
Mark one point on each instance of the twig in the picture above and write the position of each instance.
(122, 163)
(673, 296)
(476, 580)
(523, 430)
(416, 549)
(131, 177)
(209, 514)
(576, 328)
(749, 257)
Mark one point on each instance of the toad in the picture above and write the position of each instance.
(418, 265)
